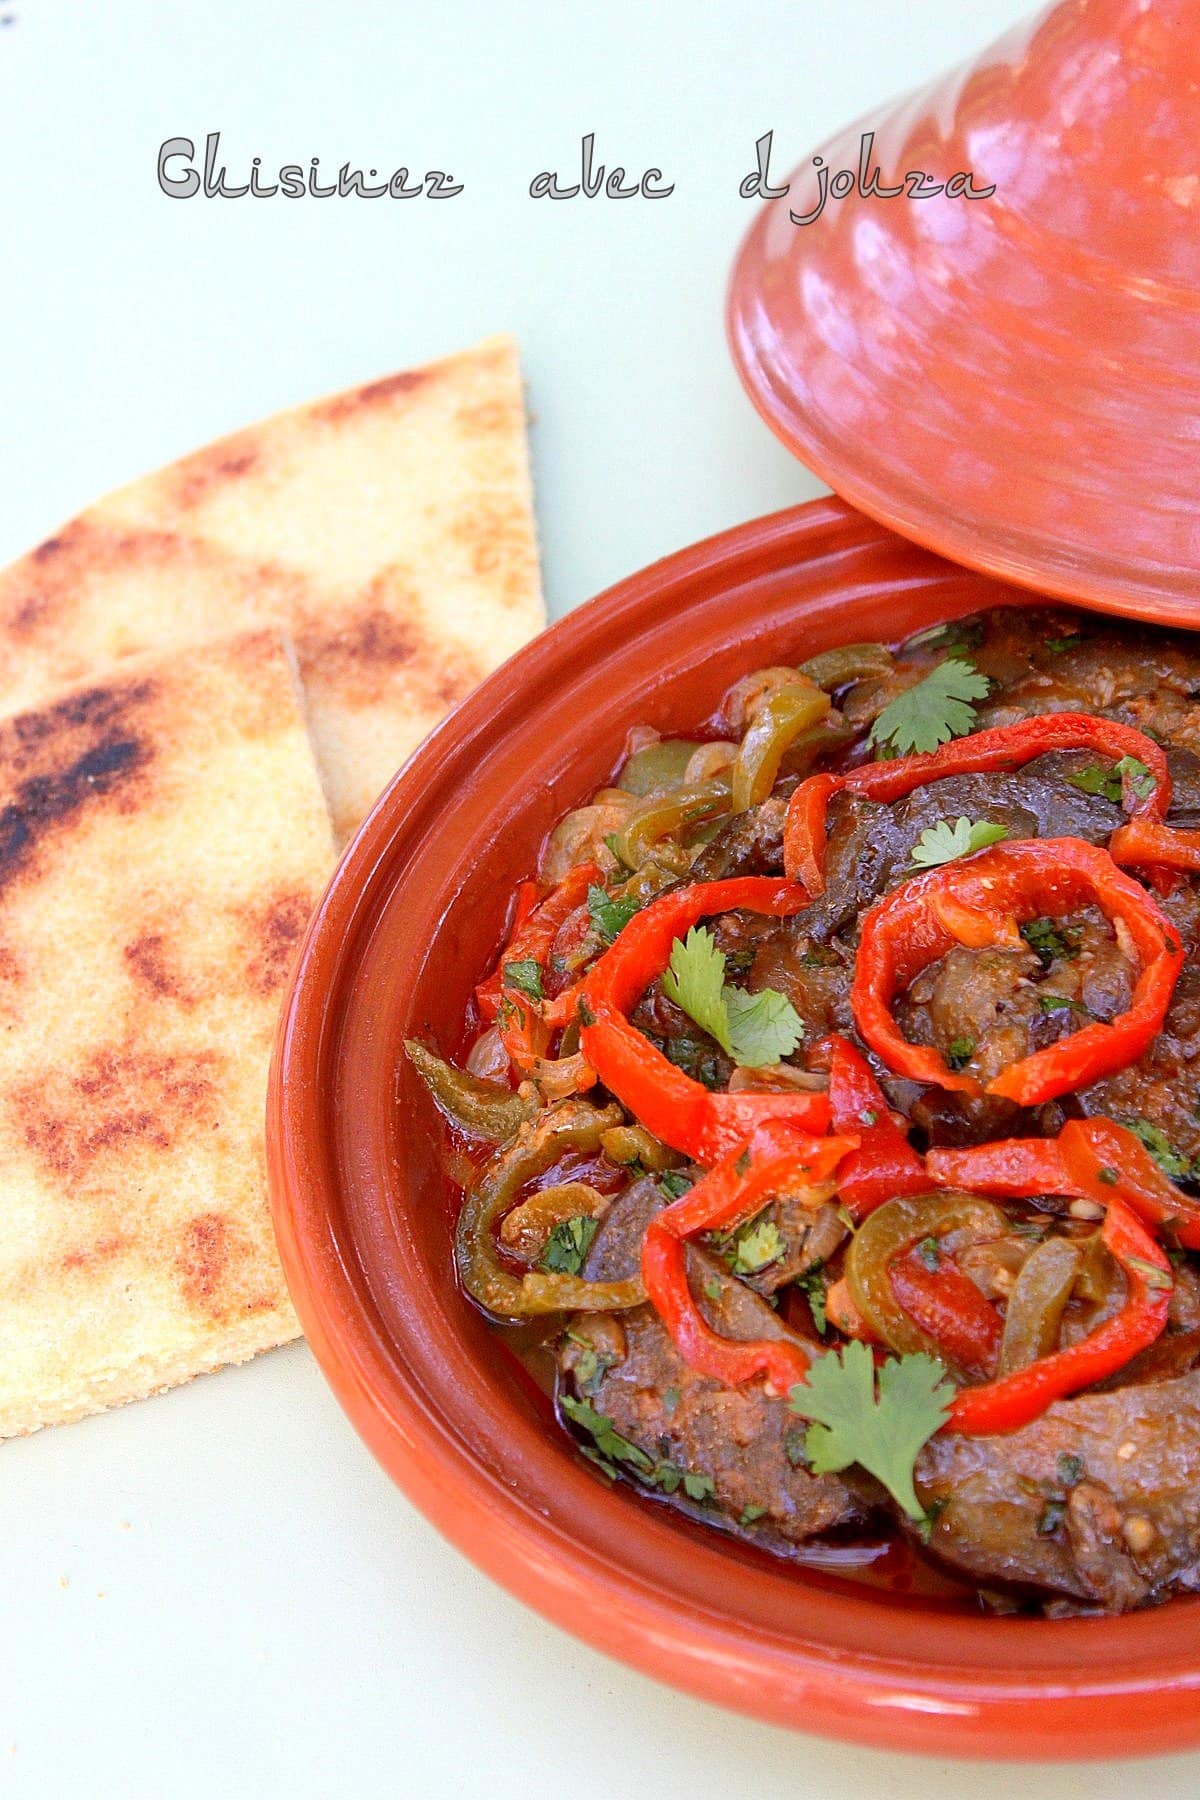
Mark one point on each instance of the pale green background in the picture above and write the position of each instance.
(218, 1592)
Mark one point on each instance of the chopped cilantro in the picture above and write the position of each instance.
(1140, 780)
(943, 842)
(1108, 784)
(1107, 1176)
(937, 709)
(812, 1286)
(879, 1422)
(1052, 1516)
(1070, 1468)
(712, 1288)
(1052, 1003)
(612, 844)
(960, 1051)
(1171, 1161)
(673, 1183)
(751, 1513)
(584, 1012)
(795, 1449)
(568, 1244)
(591, 1365)
(930, 1253)
(753, 1029)
(526, 975)
(699, 1487)
(607, 1439)
(609, 916)
(1050, 938)
(696, 1059)
(757, 1246)
(1056, 646)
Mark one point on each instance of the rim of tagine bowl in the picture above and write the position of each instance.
(1013, 381)
(364, 1208)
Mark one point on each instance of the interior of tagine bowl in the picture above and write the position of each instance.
(364, 1207)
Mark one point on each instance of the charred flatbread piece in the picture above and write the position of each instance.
(163, 839)
(388, 529)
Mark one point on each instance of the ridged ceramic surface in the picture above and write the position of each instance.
(1013, 381)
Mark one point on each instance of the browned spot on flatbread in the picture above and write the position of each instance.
(274, 934)
(84, 751)
(202, 1261)
(494, 533)
(103, 1250)
(150, 965)
(46, 590)
(198, 476)
(375, 394)
(78, 1122)
(384, 640)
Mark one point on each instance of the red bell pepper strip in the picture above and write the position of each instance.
(1147, 842)
(1108, 1162)
(949, 1308)
(885, 1165)
(1003, 747)
(1007, 1169)
(775, 1157)
(524, 1027)
(674, 1108)
(1091, 1158)
(903, 933)
(1015, 1399)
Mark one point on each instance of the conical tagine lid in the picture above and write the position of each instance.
(1011, 380)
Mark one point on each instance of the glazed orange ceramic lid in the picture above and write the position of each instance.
(1013, 380)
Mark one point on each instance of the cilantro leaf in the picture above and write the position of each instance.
(673, 1183)
(609, 916)
(943, 842)
(526, 975)
(763, 1027)
(695, 981)
(1171, 1161)
(1108, 783)
(568, 1244)
(753, 1029)
(937, 709)
(757, 1246)
(882, 1431)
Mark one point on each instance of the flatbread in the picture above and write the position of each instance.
(163, 840)
(389, 529)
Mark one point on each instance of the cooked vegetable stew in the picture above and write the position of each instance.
(831, 1107)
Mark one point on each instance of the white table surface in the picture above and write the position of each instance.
(218, 1592)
